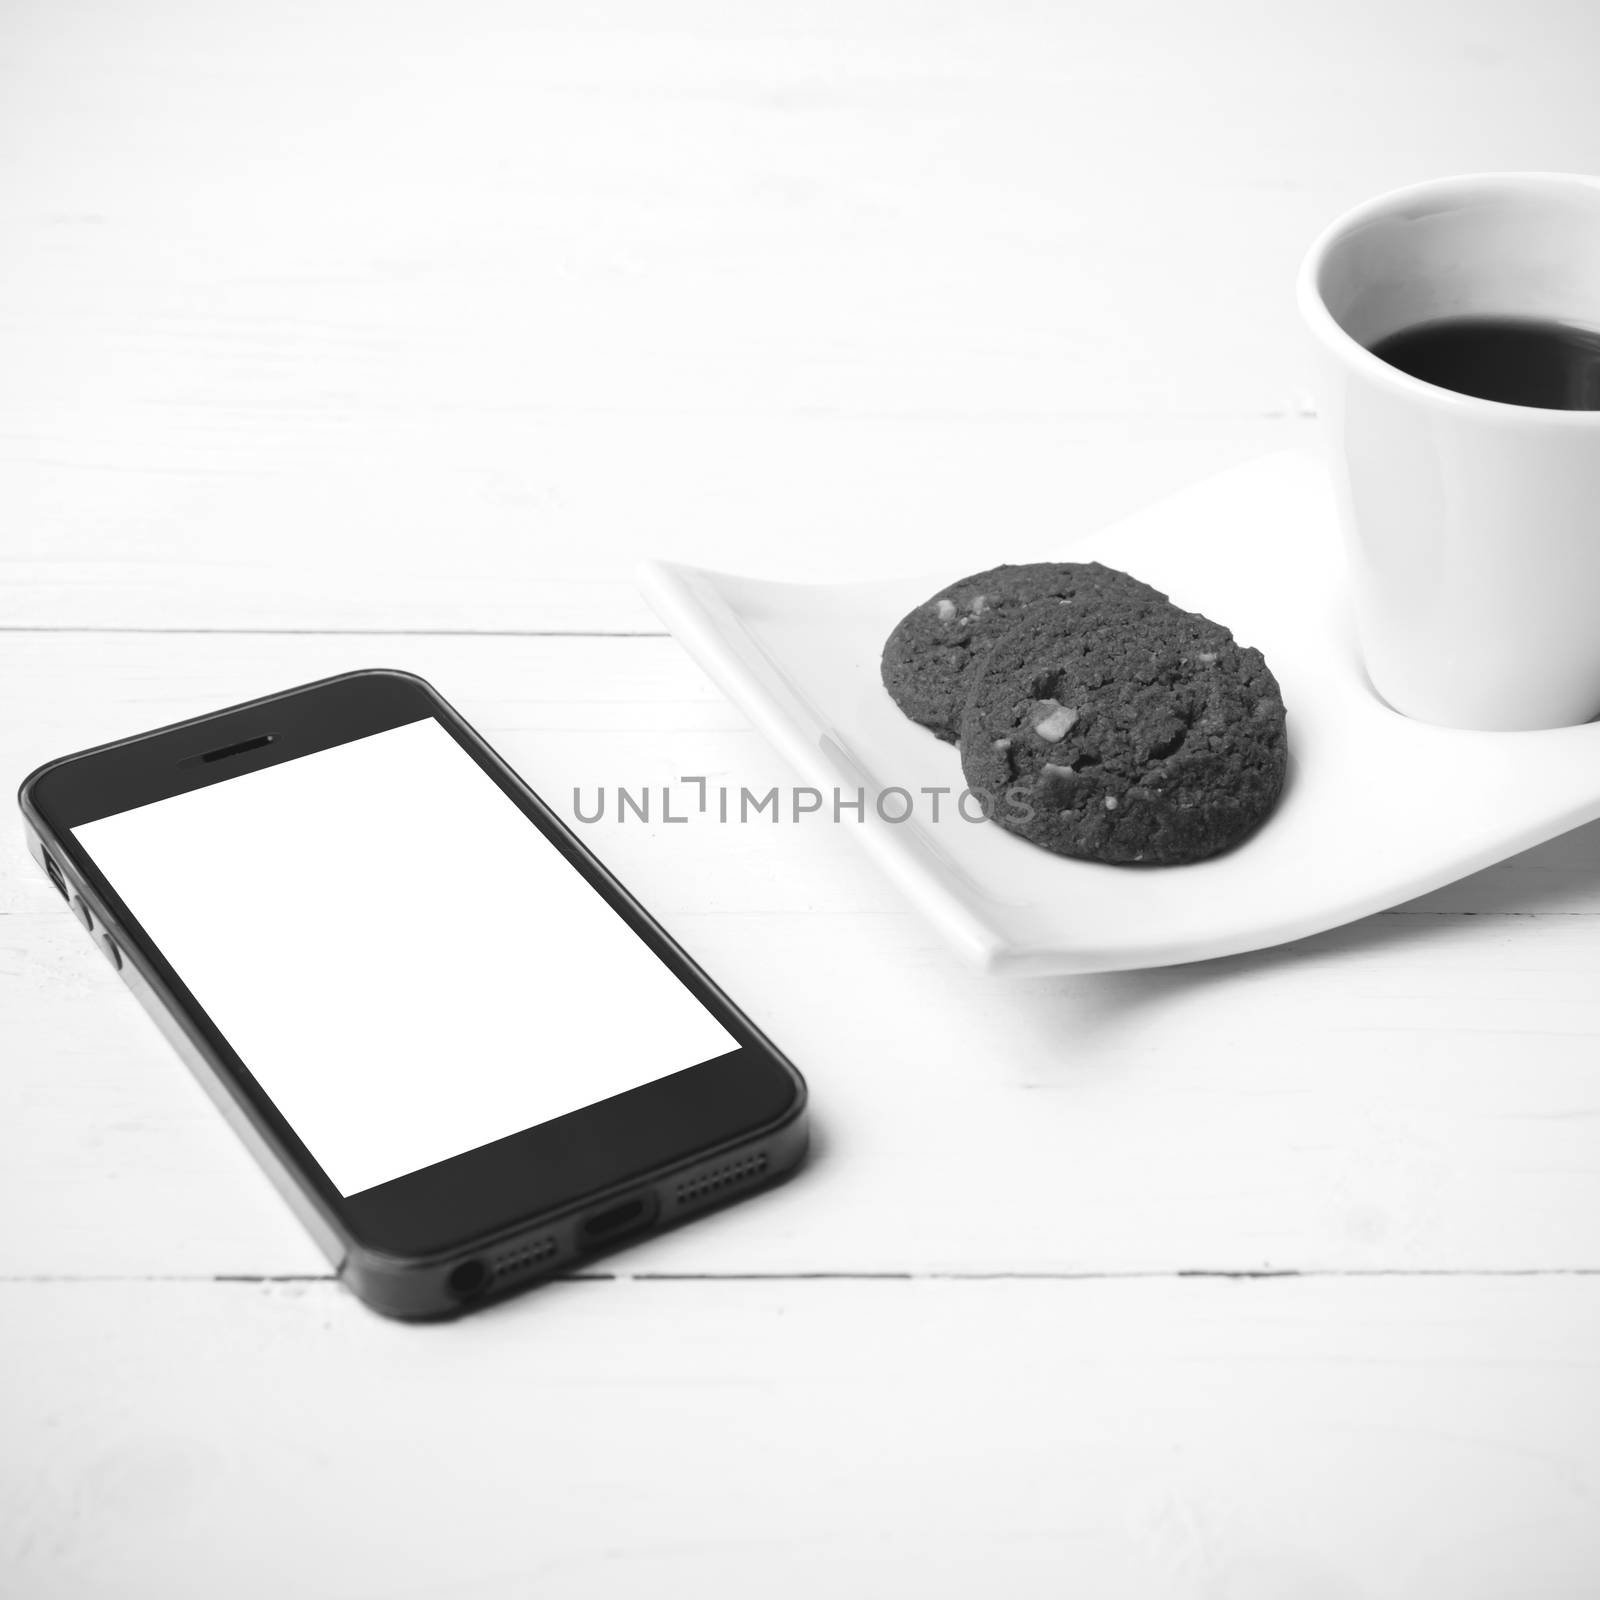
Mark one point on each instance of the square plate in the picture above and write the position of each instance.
(1377, 808)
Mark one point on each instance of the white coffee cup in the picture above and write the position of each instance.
(1473, 527)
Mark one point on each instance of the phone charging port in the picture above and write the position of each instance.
(620, 1218)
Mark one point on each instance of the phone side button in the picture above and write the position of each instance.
(109, 945)
(81, 912)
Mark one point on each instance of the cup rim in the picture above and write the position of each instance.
(1326, 329)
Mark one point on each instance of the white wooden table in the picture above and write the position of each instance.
(393, 333)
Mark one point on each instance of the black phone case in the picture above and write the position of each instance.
(504, 1259)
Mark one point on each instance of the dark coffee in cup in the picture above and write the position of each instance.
(1519, 361)
(1470, 523)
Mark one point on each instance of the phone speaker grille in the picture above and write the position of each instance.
(521, 1259)
(695, 1191)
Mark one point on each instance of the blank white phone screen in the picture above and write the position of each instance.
(404, 963)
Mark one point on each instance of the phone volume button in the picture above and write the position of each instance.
(81, 912)
(109, 945)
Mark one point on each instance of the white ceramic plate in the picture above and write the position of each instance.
(1377, 808)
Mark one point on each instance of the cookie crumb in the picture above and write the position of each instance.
(1111, 802)
(946, 610)
(1053, 721)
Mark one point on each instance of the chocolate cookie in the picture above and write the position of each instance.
(1137, 733)
(928, 658)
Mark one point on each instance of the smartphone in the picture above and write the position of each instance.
(464, 1052)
